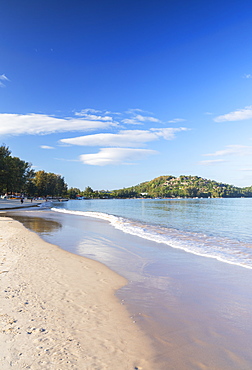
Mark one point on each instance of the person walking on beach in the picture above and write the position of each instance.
(22, 200)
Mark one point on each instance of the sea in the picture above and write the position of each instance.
(217, 228)
(188, 263)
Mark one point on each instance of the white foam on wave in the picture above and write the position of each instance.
(47, 204)
(221, 249)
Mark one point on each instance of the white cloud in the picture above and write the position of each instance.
(114, 113)
(176, 120)
(247, 75)
(32, 124)
(131, 121)
(139, 119)
(86, 114)
(87, 111)
(137, 110)
(126, 138)
(46, 147)
(3, 78)
(168, 133)
(241, 150)
(93, 117)
(238, 115)
(211, 162)
(115, 156)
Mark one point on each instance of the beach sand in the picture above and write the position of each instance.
(58, 310)
(7, 204)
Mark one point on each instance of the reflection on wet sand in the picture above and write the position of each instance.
(37, 224)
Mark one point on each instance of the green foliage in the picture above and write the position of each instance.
(184, 187)
(73, 192)
(15, 174)
(49, 184)
(88, 192)
(124, 193)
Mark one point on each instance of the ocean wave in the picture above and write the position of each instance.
(222, 249)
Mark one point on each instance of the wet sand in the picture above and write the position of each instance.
(196, 311)
(58, 310)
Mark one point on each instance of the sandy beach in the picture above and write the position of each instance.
(110, 300)
(59, 311)
(6, 204)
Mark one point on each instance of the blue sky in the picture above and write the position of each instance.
(109, 94)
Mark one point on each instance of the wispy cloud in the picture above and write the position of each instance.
(176, 120)
(94, 117)
(241, 150)
(33, 124)
(115, 156)
(87, 111)
(122, 147)
(46, 147)
(238, 115)
(3, 78)
(95, 112)
(137, 111)
(131, 121)
(124, 138)
(211, 162)
(139, 119)
(247, 75)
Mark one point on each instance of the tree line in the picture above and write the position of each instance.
(18, 177)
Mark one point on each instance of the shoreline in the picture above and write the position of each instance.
(59, 310)
(9, 204)
(193, 310)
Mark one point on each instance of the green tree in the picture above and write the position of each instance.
(49, 184)
(88, 192)
(14, 172)
(73, 192)
(191, 192)
(40, 182)
(4, 154)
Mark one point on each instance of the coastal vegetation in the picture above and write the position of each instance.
(183, 187)
(17, 176)
(48, 184)
(169, 187)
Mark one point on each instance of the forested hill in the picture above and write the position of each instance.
(183, 186)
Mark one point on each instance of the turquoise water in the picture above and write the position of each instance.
(213, 228)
